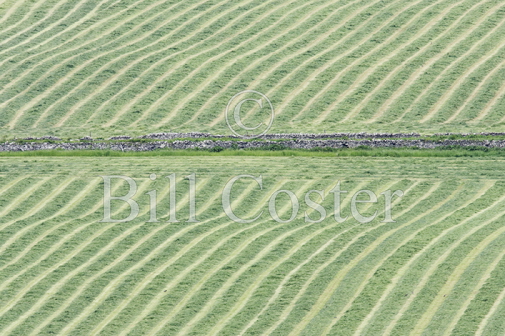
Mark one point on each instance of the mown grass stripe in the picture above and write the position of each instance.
(414, 77)
(22, 197)
(66, 208)
(478, 88)
(82, 102)
(458, 83)
(423, 281)
(12, 183)
(405, 268)
(232, 280)
(446, 70)
(411, 80)
(54, 10)
(193, 244)
(285, 280)
(18, 296)
(107, 28)
(478, 287)
(211, 302)
(33, 201)
(15, 6)
(55, 87)
(291, 304)
(38, 207)
(367, 277)
(246, 296)
(104, 322)
(258, 61)
(490, 105)
(176, 66)
(453, 279)
(8, 13)
(53, 69)
(38, 45)
(109, 81)
(327, 293)
(61, 242)
(188, 79)
(52, 25)
(484, 323)
(54, 248)
(370, 274)
(374, 246)
(205, 83)
(400, 67)
(324, 114)
(245, 293)
(147, 279)
(44, 299)
(342, 56)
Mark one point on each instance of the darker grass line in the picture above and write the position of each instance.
(448, 151)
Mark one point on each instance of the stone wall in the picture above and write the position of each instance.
(225, 144)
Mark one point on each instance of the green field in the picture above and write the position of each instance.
(433, 264)
(112, 67)
(438, 270)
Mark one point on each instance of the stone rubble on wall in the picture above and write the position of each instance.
(228, 144)
(469, 134)
(44, 138)
(120, 137)
(308, 136)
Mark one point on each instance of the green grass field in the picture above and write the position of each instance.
(101, 68)
(111, 67)
(437, 270)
